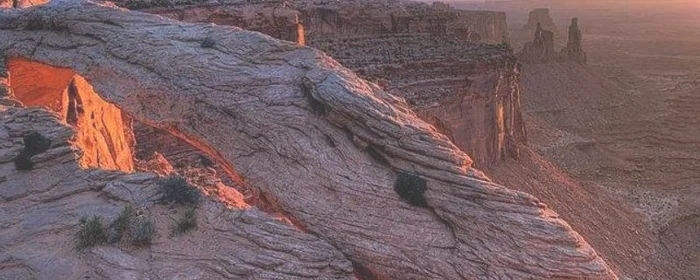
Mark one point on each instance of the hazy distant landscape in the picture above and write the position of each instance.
(629, 126)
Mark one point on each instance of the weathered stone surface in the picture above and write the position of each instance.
(40, 211)
(285, 117)
(425, 54)
(20, 3)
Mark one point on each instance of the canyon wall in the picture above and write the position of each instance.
(327, 146)
(433, 56)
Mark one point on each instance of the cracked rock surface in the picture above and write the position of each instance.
(40, 211)
(323, 143)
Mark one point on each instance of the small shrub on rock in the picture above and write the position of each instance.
(175, 189)
(186, 222)
(144, 231)
(91, 233)
(35, 143)
(23, 162)
(411, 188)
(208, 43)
(120, 226)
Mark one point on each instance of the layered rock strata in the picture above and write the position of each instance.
(41, 210)
(324, 144)
(428, 55)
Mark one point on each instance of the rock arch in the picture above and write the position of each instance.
(245, 99)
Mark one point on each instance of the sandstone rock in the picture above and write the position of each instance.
(540, 17)
(103, 133)
(40, 210)
(426, 55)
(20, 3)
(541, 49)
(283, 116)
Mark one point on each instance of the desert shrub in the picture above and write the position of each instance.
(120, 226)
(186, 222)
(91, 232)
(411, 188)
(208, 43)
(35, 143)
(175, 189)
(23, 161)
(144, 231)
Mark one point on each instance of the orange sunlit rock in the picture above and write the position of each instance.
(103, 132)
(101, 128)
(36, 84)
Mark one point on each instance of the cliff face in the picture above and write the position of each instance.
(331, 149)
(427, 54)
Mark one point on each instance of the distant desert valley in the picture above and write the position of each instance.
(354, 139)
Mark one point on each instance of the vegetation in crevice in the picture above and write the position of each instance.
(411, 188)
(186, 222)
(91, 233)
(34, 144)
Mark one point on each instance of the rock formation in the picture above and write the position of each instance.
(541, 48)
(322, 144)
(573, 50)
(41, 209)
(425, 54)
(102, 135)
(540, 18)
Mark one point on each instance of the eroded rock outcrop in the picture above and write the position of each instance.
(540, 17)
(103, 132)
(573, 50)
(541, 48)
(308, 133)
(41, 210)
(425, 54)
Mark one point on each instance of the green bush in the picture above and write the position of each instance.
(411, 188)
(120, 226)
(186, 222)
(91, 232)
(144, 232)
(208, 43)
(35, 143)
(175, 189)
(23, 161)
